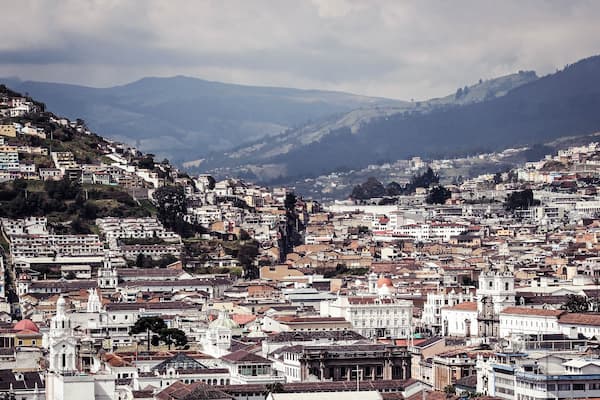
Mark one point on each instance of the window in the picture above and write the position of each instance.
(564, 386)
(579, 386)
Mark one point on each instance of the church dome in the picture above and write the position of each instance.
(223, 321)
(384, 281)
(26, 325)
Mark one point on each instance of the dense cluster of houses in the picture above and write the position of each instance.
(396, 301)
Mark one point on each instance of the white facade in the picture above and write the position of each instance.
(521, 320)
(63, 380)
(460, 320)
(432, 309)
(373, 316)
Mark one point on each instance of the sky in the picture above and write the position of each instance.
(387, 48)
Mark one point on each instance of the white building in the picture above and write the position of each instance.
(64, 380)
(373, 316)
(496, 292)
(460, 320)
(432, 308)
(524, 320)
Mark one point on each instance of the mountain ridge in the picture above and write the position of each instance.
(561, 104)
(170, 116)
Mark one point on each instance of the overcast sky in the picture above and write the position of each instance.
(417, 49)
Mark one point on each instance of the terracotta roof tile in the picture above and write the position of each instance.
(537, 312)
(464, 306)
(580, 319)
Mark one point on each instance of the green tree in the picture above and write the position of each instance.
(211, 182)
(438, 195)
(290, 201)
(166, 260)
(520, 200)
(576, 304)
(450, 390)
(147, 162)
(369, 189)
(173, 336)
(425, 180)
(148, 325)
(276, 387)
(498, 178)
(246, 256)
(170, 202)
(393, 189)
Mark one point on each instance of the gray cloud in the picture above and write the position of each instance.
(380, 47)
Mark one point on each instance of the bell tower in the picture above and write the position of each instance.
(63, 346)
(107, 275)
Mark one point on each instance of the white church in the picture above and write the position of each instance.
(65, 378)
(480, 316)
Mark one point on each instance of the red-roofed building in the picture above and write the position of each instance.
(526, 320)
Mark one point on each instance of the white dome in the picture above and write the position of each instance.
(223, 321)
(384, 290)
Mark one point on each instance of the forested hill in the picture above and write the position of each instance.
(565, 103)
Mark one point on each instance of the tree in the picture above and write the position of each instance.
(64, 189)
(290, 201)
(173, 336)
(276, 387)
(171, 207)
(144, 261)
(211, 182)
(498, 178)
(520, 200)
(393, 189)
(450, 390)
(79, 227)
(148, 324)
(438, 195)
(369, 189)
(425, 180)
(576, 304)
(167, 259)
(246, 256)
(147, 162)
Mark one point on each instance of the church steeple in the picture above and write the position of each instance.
(61, 323)
(93, 304)
(107, 275)
(63, 346)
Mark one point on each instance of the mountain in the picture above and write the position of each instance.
(565, 103)
(259, 159)
(185, 118)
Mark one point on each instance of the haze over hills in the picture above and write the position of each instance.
(565, 103)
(284, 134)
(256, 158)
(185, 118)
